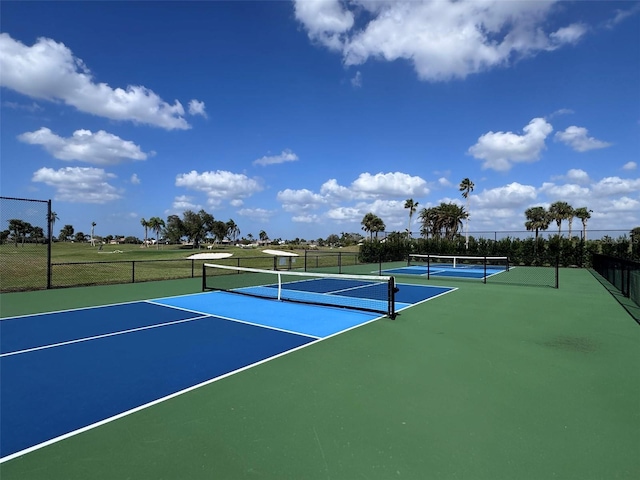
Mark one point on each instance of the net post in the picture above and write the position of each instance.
(204, 283)
(279, 286)
(392, 298)
(484, 278)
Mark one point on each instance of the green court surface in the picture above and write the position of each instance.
(487, 382)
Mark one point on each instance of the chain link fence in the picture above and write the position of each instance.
(624, 275)
(25, 244)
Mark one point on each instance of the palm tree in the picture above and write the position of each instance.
(263, 236)
(368, 224)
(466, 187)
(373, 224)
(537, 219)
(18, 228)
(156, 224)
(450, 218)
(145, 224)
(584, 214)
(571, 213)
(232, 230)
(560, 211)
(378, 226)
(428, 217)
(67, 232)
(53, 216)
(93, 226)
(412, 206)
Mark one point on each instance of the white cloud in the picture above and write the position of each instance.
(630, 166)
(219, 185)
(568, 192)
(356, 81)
(333, 191)
(305, 218)
(509, 196)
(326, 21)
(345, 214)
(443, 182)
(184, 202)
(578, 176)
(32, 107)
(569, 34)
(616, 186)
(79, 184)
(256, 214)
(442, 40)
(286, 156)
(578, 139)
(49, 70)
(396, 184)
(197, 108)
(622, 15)
(500, 149)
(299, 200)
(99, 148)
(135, 180)
(561, 111)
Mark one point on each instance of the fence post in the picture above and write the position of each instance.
(558, 271)
(133, 271)
(49, 242)
(627, 267)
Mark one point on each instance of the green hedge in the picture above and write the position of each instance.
(528, 251)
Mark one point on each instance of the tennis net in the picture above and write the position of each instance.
(459, 261)
(372, 293)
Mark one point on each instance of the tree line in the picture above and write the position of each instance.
(446, 220)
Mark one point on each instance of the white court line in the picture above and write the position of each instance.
(451, 289)
(168, 397)
(104, 335)
(106, 305)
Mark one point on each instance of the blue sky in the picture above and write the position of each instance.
(298, 118)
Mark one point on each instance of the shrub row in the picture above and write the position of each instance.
(528, 251)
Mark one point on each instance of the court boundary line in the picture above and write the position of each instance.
(451, 290)
(77, 309)
(100, 423)
(103, 335)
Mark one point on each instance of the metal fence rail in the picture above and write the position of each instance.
(621, 273)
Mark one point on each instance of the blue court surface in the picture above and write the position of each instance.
(64, 372)
(446, 271)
